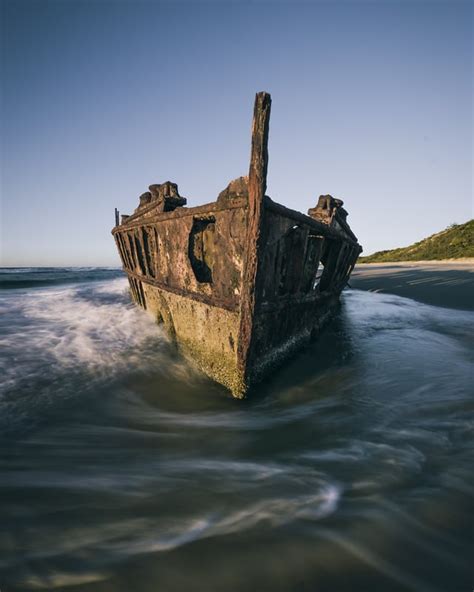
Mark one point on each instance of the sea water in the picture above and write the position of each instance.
(122, 468)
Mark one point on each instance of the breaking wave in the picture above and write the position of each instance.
(58, 340)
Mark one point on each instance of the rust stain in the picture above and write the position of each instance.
(242, 282)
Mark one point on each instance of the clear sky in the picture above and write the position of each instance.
(372, 103)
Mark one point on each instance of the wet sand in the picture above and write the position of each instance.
(441, 283)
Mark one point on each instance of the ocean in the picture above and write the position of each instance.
(122, 468)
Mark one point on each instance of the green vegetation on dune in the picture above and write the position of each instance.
(456, 242)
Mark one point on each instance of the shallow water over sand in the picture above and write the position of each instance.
(122, 468)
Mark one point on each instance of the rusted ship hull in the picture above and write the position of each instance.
(242, 282)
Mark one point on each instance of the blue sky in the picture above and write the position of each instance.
(372, 102)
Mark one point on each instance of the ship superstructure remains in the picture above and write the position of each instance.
(242, 282)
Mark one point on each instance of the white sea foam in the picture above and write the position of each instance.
(58, 579)
(93, 328)
(78, 331)
(271, 511)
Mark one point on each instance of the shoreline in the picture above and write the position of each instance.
(448, 283)
(465, 261)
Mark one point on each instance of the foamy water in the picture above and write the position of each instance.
(122, 468)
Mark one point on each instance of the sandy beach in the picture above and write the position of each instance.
(448, 283)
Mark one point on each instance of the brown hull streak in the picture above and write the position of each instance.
(243, 282)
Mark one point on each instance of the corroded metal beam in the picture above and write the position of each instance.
(257, 188)
(322, 229)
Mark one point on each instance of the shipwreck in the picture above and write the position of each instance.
(243, 282)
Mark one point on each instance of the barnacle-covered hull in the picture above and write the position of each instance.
(242, 282)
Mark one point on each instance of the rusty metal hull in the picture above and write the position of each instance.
(240, 283)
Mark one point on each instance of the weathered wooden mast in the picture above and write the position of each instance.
(257, 187)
